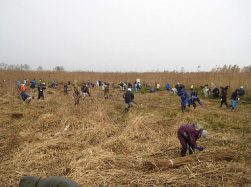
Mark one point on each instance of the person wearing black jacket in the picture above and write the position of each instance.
(233, 99)
(85, 90)
(128, 96)
(41, 89)
(224, 95)
(215, 92)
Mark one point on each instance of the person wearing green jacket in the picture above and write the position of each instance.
(32, 181)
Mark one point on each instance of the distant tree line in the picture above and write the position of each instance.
(21, 67)
(25, 67)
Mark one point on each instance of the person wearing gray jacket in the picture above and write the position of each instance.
(32, 181)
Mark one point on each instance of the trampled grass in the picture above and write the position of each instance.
(97, 144)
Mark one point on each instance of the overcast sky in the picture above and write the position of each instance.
(125, 35)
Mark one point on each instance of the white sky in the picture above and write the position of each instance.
(125, 35)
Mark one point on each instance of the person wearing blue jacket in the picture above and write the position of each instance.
(25, 97)
(167, 86)
(136, 87)
(192, 101)
(184, 98)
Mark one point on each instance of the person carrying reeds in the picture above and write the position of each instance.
(32, 181)
(188, 135)
(128, 96)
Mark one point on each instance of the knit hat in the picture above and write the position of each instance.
(204, 134)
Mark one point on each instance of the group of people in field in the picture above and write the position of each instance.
(179, 89)
(191, 100)
(187, 134)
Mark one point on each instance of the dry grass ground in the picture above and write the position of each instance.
(97, 144)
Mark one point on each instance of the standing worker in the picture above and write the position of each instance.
(65, 89)
(188, 135)
(106, 90)
(128, 96)
(224, 95)
(233, 99)
(85, 90)
(41, 89)
(76, 95)
(184, 98)
(192, 87)
(157, 86)
(167, 86)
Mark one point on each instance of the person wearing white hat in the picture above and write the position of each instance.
(188, 135)
(128, 96)
(241, 93)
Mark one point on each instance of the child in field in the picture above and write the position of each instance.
(188, 135)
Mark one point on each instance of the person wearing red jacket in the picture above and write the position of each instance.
(188, 135)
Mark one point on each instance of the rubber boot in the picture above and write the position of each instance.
(191, 150)
(183, 154)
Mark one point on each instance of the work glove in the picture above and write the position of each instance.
(200, 148)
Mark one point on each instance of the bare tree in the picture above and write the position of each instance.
(40, 68)
(58, 68)
(3, 66)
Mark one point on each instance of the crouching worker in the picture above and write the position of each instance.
(25, 97)
(128, 96)
(188, 135)
(32, 181)
(192, 101)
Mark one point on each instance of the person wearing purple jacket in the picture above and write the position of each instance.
(188, 135)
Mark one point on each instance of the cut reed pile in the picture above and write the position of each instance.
(97, 144)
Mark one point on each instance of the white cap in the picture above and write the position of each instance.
(129, 89)
(204, 134)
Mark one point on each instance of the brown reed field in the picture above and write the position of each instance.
(96, 143)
